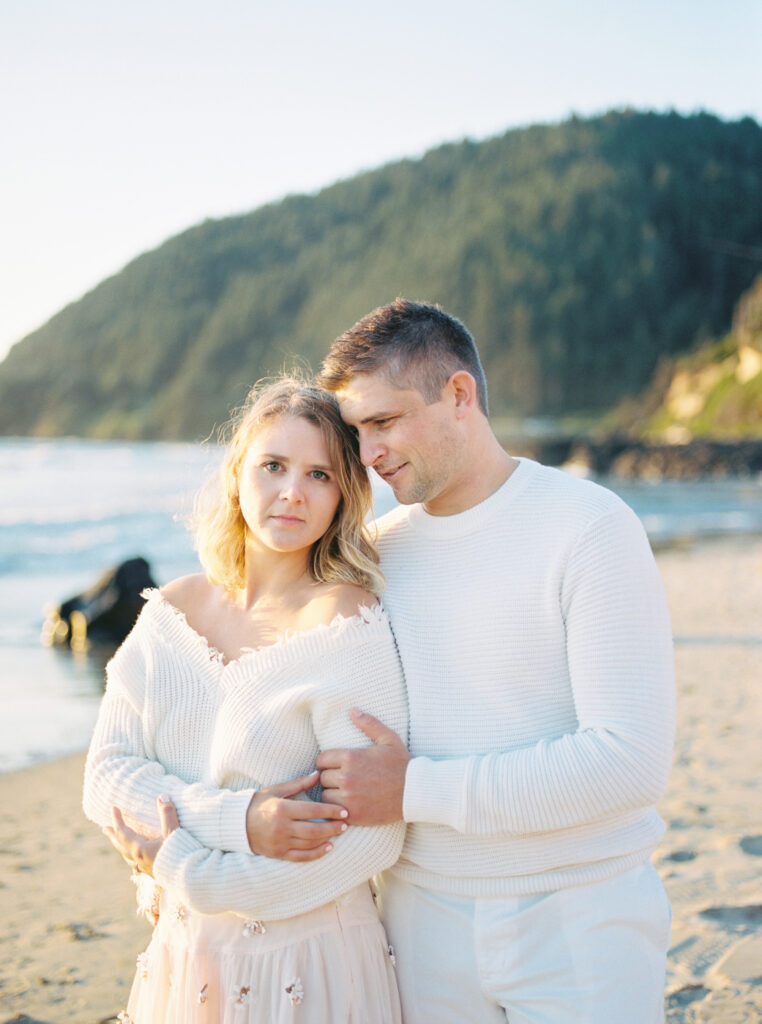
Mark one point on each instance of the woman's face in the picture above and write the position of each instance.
(287, 486)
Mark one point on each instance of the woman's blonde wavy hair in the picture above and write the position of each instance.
(345, 552)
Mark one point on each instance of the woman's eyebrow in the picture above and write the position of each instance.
(274, 457)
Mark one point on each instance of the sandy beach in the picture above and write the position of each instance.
(68, 930)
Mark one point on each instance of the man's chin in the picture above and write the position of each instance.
(408, 495)
(405, 495)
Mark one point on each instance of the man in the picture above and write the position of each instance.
(536, 646)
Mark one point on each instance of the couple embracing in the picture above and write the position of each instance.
(469, 702)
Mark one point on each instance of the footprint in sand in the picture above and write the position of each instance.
(752, 845)
(80, 932)
(734, 917)
(680, 856)
(686, 995)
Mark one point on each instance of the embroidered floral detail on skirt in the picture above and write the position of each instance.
(295, 992)
(253, 928)
(244, 996)
(331, 965)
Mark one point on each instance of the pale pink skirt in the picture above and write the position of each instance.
(329, 966)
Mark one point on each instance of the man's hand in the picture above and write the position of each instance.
(139, 850)
(368, 781)
(280, 827)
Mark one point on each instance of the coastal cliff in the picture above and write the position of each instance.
(700, 416)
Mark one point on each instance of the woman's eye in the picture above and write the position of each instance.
(272, 467)
(318, 474)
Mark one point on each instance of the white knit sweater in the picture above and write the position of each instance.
(535, 639)
(175, 719)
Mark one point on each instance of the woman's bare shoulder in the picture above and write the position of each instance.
(332, 599)
(189, 593)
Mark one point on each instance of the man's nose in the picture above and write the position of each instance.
(370, 451)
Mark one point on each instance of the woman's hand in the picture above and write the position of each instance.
(140, 851)
(287, 829)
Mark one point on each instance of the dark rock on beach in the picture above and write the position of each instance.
(103, 614)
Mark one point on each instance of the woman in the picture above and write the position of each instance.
(231, 681)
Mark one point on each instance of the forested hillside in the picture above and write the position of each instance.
(578, 254)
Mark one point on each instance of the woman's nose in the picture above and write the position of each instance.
(292, 490)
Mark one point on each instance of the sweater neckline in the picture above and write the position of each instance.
(478, 515)
(313, 638)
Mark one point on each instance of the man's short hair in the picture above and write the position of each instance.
(413, 344)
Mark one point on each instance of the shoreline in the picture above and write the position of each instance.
(629, 458)
(72, 683)
(68, 930)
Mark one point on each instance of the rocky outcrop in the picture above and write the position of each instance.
(623, 457)
(715, 393)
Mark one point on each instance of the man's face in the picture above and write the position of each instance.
(413, 446)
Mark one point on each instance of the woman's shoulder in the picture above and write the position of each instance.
(188, 594)
(329, 601)
(162, 606)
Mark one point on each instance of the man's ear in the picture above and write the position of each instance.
(461, 388)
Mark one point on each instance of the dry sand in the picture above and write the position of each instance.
(711, 858)
(68, 930)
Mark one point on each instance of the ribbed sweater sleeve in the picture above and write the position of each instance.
(120, 771)
(620, 664)
(212, 881)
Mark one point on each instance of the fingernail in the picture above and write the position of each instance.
(164, 798)
(328, 848)
(344, 828)
(344, 814)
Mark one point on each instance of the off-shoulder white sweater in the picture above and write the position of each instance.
(175, 719)
(536, 644)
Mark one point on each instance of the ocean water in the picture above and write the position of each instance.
(70, 509)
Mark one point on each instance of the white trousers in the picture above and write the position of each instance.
(591, 954)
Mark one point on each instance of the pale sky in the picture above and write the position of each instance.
(123, 124)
